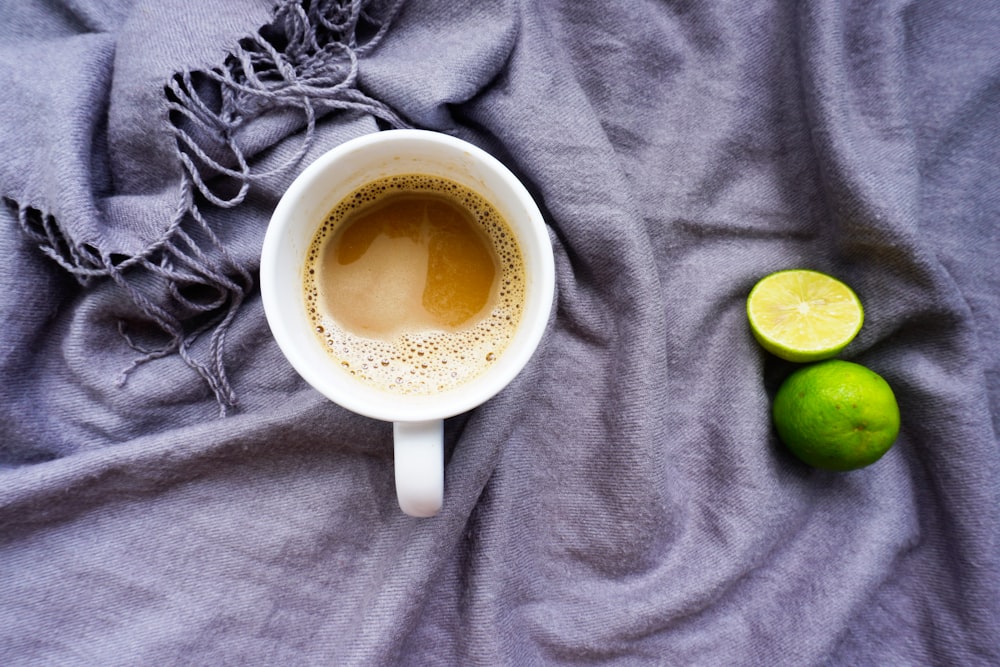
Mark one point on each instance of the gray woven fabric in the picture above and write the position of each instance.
(172, 493)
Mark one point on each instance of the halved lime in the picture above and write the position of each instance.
(803, 315)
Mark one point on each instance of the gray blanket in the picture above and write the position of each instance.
(171, 493)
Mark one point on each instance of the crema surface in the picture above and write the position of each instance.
(414, 283)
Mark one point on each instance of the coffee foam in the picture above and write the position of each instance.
(422, 362)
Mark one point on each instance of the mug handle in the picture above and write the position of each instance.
(418, 452)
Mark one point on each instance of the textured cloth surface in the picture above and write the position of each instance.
(171, 493)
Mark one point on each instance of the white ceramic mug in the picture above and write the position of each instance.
(417, 418)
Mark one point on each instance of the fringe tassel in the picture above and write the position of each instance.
(304, 62)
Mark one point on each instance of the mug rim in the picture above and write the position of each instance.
(287, 317)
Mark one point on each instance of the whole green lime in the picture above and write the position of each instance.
(836, 415)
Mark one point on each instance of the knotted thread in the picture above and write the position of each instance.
(303, 64)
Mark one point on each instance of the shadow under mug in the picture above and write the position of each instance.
(417, 418)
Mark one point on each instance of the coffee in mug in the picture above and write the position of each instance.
(414, 283)
(408, 276)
